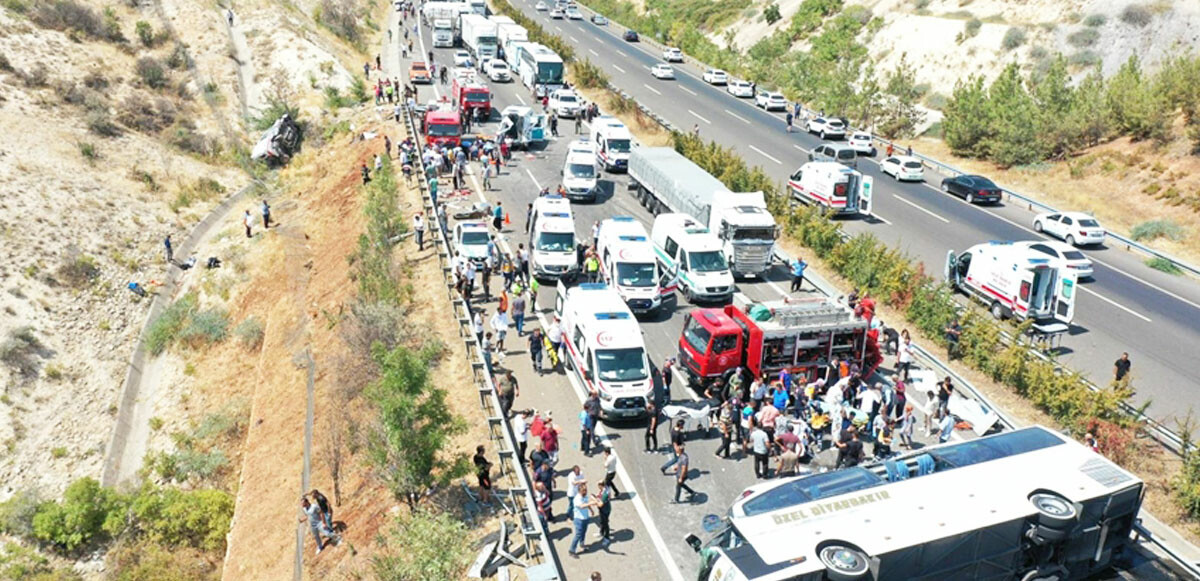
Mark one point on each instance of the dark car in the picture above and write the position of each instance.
(972, 188)
(630, 36)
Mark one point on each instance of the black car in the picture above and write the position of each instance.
(972, 188)
(630, 36)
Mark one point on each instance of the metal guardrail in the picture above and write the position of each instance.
(534, 534)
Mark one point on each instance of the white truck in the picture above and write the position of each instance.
(444, 17)
(479, 36)
(613, 142)
(1014, 281)
(832, 185)
(666, 181)
(686, 250)
(507, 35)
(627, 263)
(605, 349)
(479, 7)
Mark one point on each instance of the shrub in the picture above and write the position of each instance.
(17, 562)
(357, 90)
(150, 70)
(1013, 38)
(1135, 15)
(36, 77)
(178, 59)
(921, 4)
(430, 547)
(250, 332)
(143, 560)
(1164, 265)
(771, 13)
(340, 17)
(5, 65)
(201, 190)
(20, 352)
(78, 270)
(145, 33)
(88, 513)
(88, 150)
(1083, 38)
(1095, 20)
(16, 513)
(99, 121)
(67, 15)
(589, 75)
(173, 517)
(335, 100)
(205, 327)
(163, 330)
(972, 27)
(183, 134)
(1084, 59)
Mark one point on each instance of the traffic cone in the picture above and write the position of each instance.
(506, 220)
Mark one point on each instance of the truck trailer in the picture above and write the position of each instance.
(479, 36)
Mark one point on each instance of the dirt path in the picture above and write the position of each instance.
(249, 91)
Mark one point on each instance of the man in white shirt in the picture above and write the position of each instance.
(573, 480)
(759, 444)
(419, 229)
(520, 428)
(610, 471)
(499, 324)
(477, 324)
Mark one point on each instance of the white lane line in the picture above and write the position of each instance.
(777, 288)
(623, 55)
(618, 68)
(766, 155)
(697, 116)
(739, 117)
(535, 182)
(915, 205)
(693, 93)
(594, 53)
(520, 100)
(800, 148)
(573, 39)
(652, 89)
(627, 482)
(558, 28)
(1113, 303)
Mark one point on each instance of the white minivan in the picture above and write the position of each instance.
(552, 253)
(579, 171)
(685, 248)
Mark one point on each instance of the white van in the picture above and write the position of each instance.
(627, 264)
(685, 248)
(579, 171)
(832, 185)
(552, 252)
(613, 141)
(605, 349)
(1014, 281)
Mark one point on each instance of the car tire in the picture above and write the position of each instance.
(997, 310)
(844, 562)
(945, 187)
(1071, 240)
(873, 152)
(822, 134)
(1037, 226)
(689, 295)
(896, 176)
(970, 198)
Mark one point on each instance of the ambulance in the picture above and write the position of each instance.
(627, 264)
(613, 141)
(552, 252)
(1014, 281)
(605, 350)
(685, 248)
(832, 185)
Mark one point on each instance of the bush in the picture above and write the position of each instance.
(340, 17)
(589, 75)
(1154, 229)
(428, 546)
(971, 28)
(358, 90)
(1164, 265)
(88, 513)
(67, 15)
(36, 77)
(88, 151)
(178, 59)
(204, 328)
(1135, 15)
(147, 561)
(1083, 38)
(185, 136)
(1013, 38)
(173, 517)
(20, 352)
(201, 190)
(17, 562)
(163, 330)
(1095, 20)
(1084, 59)
(16, 513)
(250, 332)
(78, 270)
(771, 13)
(145, 33)
(150, 70)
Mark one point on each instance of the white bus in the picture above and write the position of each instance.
(537, 63)
(1028, 504)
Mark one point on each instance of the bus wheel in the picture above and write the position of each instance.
(844, 562)
(997, 310)
(1054, 511)
(1045, 574)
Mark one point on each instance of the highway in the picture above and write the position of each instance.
(1127, 306)
(648, 526)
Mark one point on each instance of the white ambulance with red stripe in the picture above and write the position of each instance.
(832, 185)
(627, 262)
(613, 141)
(1014, 281)
(605, 349)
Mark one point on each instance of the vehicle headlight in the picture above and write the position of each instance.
(605, 395)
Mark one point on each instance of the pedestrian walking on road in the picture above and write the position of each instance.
(266, 215)
(378, 63)
(170, 250)
(677, 439)
(651, 427)
(535, 350)
(603, 501)
(553, 125)
(789, 122)
(520, 428)
(229, 17)
(518, 311)
(582, 517)
(1120, 367)
(610, 471)
(248, 222)
(578, 123)
(798, 267)
(681, 476)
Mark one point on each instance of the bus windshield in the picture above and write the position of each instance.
(621, 364)
(635, 274)
(696, 335)
(556, 242)
(550, 73)
(709, 261)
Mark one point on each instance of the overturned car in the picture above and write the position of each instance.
(278, 143)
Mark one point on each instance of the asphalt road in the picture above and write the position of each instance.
(648, 526)
(1126, 307)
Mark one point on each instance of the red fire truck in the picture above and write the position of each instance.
(470, 94)
(442, 127)
(802, 335)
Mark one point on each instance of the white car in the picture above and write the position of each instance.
(565, 103)
(1076, 228)
(1063, 255)
(471, 240)
(715, 77)
(903, 167)
(672, 55)
(497, 70)
(574, 13)
(826, 127)
(557, 14)
(741, 89)
(662, 71)
(541, 7)
(862, 143)
(770, 101)
(462, 58)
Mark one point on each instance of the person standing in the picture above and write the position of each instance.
(574, 479)
(518, 312)
(610, 471)
(266, 215)
(759, 443)
(904, 356)
(651, 427)
(725, 419)
(787, 462)
(499, 324)
(798, 267)
(550, 442)
(248, 222)
(419, 229)
(508, 391)
(681, 476)
(592, 407)
(585, 431)
(953, 333)
(170, 250)
(578, 123)
(312, 513)
(483, 473)
(582, 517)
(535, 350)
(520, 428)
(603, 501)
(945, 390)
(477, 322)
(229, 16)
(677, 440)
(1120, 367)
(323, 504)
(666, 375)
(498, 215)
(789, 121)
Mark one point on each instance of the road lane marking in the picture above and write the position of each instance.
(618, 68)
(1113, 303)
(655, 91)
(697, 116)
(766, 155)
(594, 53)
(558, 28)
(622, 54)
(736, 116)
(800, 148)
(520, 100)
(535, 182)
(693, 93)
(573, 39)
(913, 204)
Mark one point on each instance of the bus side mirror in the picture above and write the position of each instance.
(693, 541)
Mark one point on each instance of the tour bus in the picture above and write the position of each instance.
(605, 349)
(627, 263)
(536, 63)
(1028, 504)
(552, 239)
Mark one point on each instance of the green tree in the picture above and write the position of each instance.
(967, 123)
(1090, 110)
(407, 445)
(1137, 105)
(771, 13)
(426, 545)
(1056, 99)
(1014, 120)
(88, 513)
(899, 115)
